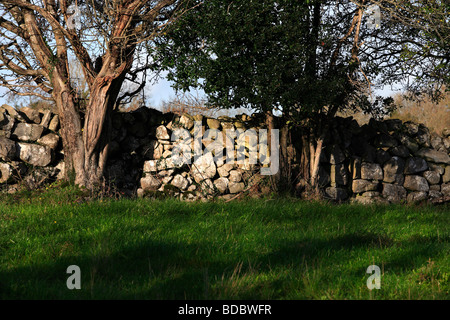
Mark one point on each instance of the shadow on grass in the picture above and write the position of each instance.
(165, 270)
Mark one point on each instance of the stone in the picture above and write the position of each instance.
(30, 114)
(436, 167)
(384, 140)
(207, 187)
(27, 131)
(371, 171)
(8, 149)
(11, 111)
(180, 182)
(221, 184)
(393, 170)
(236, 187)
(435, 187)
(400, 151)
(338, 175)
(50, 140)
(35, 154)
(359, 186)
(186, 121)
(432, 194)
(432, 177)
(336, 155)
(411, 128)
(46, 118)
(213, 123)
(338, 194)
(54, 123)
(235, 176)
(356, 168)
(393, 124)
(224, 170)
(446, 132)
(416, 183)
(445, 189)
(382, 156)
(433, 155)
(417, 196)
(203, 168)
(415, 165)
(423, 136)
(6, 172)
(393, 192)
(436, 142)
(150, 166)
(162, 133)
(446, 175)
(6, 121)
(150, 183)
(409, 143)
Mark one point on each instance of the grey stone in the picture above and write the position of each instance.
(6, 172)
(436, 167)
(400, 151)
(432, 177)
(446, 132)
(446, 176)
(415, 165)
(30, 115)
(445, 189)
(213, 123)
(6, 121)
(417, 196)
(221, 184)
(235, 176)
(8, 149)
(411, 128)
(236, 187)
(35, 154)
(338, 175)
(432, 194)
(416, 183)
(384, 140)
(382, 156)
(50, 140)
(433, 155)
(162, 133)
(28, 131)
(46, 118)
(224, 170)
(393, 170)
(150, 183)
(180, 182)
(423, 136)
(338, 194)
(203, 168)
(186, 121)
(394, 193)
(371, 171)
(54, 123)
(359, 186)
(336, 155)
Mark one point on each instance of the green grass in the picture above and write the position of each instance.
(255, 249)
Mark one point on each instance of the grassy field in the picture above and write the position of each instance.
(255, 249)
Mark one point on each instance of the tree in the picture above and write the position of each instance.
(306, 59)
(108, 38)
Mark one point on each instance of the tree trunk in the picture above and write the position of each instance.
(71, 131)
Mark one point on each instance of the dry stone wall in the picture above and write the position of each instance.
(382, 161)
